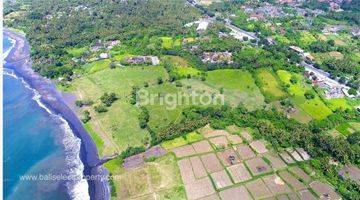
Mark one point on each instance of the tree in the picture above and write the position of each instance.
(108, 99)
(309, 94)
(293, 79)
(86, 116)
(100, 108)
(352, 91)
(160, 81)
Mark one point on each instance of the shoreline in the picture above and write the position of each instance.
(19, 61)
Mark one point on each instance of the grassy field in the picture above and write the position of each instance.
(119, 124)
(154, 180)
(97, 65)
(269, 84)
(169, 43)
(238, 86)
(180, 141)
(340, 103)
(314, 107)
(306, 38)
(347, 128)
(182, 67)
(77, 52)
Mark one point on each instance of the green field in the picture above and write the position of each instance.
(97, 65)
(170, 43)
(238, 85)
(314, 107)
(181, 66)
(269, 84)
(347, 128)
(306, 38)
(180, 141)
(120, 123)
(77, 52)
(340, 103)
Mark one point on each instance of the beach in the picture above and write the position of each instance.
(18, 60)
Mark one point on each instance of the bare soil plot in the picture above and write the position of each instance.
(293, 196)
(275, 161)
(295, 154)
(155, 151)
(133, 161)
(199, 188)
(210, 197)
(198, 167)
(219, 142)
(202, 146)
(216, 133)
(233, 129)
(246, 135)
(244, 151)
(325, 191)
(306, 195)
(258, 189)
(239, 173)
(292, 181)
(258, 146)
(205, 130)
(183, 151)
(258, 166)
(211, 162)
(287, 158)
(276, 185)
(300, 174)
(228, 157)
(186, 171)
(235, 193)
(221, 179)
(234, 139)
(303, 153)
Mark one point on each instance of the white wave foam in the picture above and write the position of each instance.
(6, 53)
(78, 187)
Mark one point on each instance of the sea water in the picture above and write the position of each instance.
(40, 152)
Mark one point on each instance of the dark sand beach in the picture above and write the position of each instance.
(19, 61)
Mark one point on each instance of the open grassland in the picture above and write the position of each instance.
(154, 180)
(77, 51)
(340, 103)
(97, 65)
(348, 128)
(238, 86)
(119, 126)
(170, 43)
(181, 66)
(269, 84)
(180, 141)
(314, 107)
(306, 38)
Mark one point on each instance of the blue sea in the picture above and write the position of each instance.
(38, 146)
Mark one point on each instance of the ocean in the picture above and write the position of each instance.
(40, 152)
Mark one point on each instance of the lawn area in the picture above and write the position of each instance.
(314, 107)
(97, 65)
(180, 141)
(77, 52)
(154, 180)
(269, 84)
(120, 123)
(238, 86)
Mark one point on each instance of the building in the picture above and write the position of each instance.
(297, 49)
(147, 60)
(217, 57)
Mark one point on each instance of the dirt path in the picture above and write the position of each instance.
(109, 146)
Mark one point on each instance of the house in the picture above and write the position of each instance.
(308, 56)
(147, 60)
(203, 25)
(104, 56)
(217, 57)
(112, 43)
(96, 47)
(355, 32)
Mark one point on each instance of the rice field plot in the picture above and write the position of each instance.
(348, 128)
(97, 65)
(238, 87)
(314, 107)
(154, 180)
(77, 51)
(182, 67)
(170, 43)
(269, 85)
(339, 103)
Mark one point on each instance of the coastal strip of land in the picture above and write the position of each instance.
(19, 61)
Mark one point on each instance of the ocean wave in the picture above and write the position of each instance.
(6, 53)
(78, 186)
